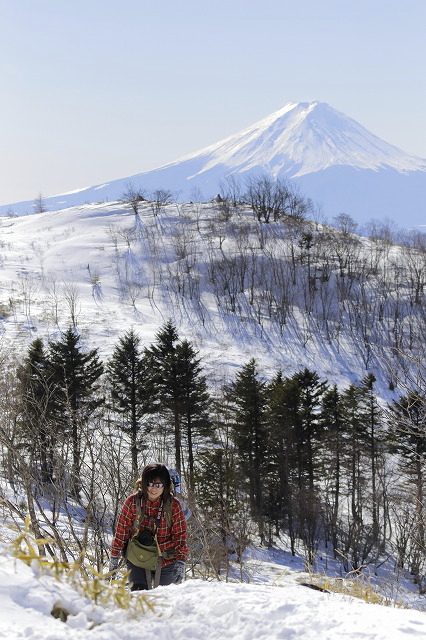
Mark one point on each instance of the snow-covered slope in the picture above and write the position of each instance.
(335, 160)
(196, 609)
(113, 270)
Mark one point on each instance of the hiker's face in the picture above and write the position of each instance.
(154, 491)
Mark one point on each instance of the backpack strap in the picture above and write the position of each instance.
(157, 573)
(148, 575)
(139, 515)
(148, 572)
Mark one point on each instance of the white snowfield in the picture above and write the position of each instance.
(197, 610)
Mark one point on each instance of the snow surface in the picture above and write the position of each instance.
(197, 609)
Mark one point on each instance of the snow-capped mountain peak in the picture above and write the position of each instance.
(301, 138)
(332, 158)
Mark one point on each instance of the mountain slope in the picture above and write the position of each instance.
(334, 160)
(236, 288)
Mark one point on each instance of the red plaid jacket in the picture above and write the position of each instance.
(173, 537)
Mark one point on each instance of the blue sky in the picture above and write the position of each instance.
(94, 90)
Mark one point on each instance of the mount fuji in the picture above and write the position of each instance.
(333, 159)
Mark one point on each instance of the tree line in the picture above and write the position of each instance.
(290, 456)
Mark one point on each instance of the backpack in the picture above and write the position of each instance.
(175, 478)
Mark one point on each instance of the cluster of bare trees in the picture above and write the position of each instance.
(135, 196)
(276, 198)
(264, 260)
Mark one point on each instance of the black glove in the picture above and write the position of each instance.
(178, 571)
(113, 563)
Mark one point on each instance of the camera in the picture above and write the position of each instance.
(145, 537)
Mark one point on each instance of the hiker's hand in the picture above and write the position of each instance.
(113, 563)
(179, 572)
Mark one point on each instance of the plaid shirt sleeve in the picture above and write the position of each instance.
(124, 525)
(177, 534)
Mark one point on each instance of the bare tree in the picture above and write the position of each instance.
(39, 204)
(71, 295)
(415, 260)
(231, 196)
(28, 289)
(261, 194)
(133, 196)
(276, 198)
(128, 234)
(160, 198)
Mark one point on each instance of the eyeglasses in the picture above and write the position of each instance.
(158, 485)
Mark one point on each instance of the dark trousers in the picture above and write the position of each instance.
(137, 577)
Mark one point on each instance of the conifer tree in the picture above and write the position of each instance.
(333, 428)
(36, 391)
(407, 434)
(407, 437)
(373, 413)
(179, 390)
(161, 360)
(358, 540)
(282, 419)
(310, 390)
(247, 396)
(130, 389)
(221, 504)
(194, 402)
(76, 377)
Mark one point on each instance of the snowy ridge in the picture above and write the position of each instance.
(333, 160)
(301, 138)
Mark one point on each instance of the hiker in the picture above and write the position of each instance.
(151, 532)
